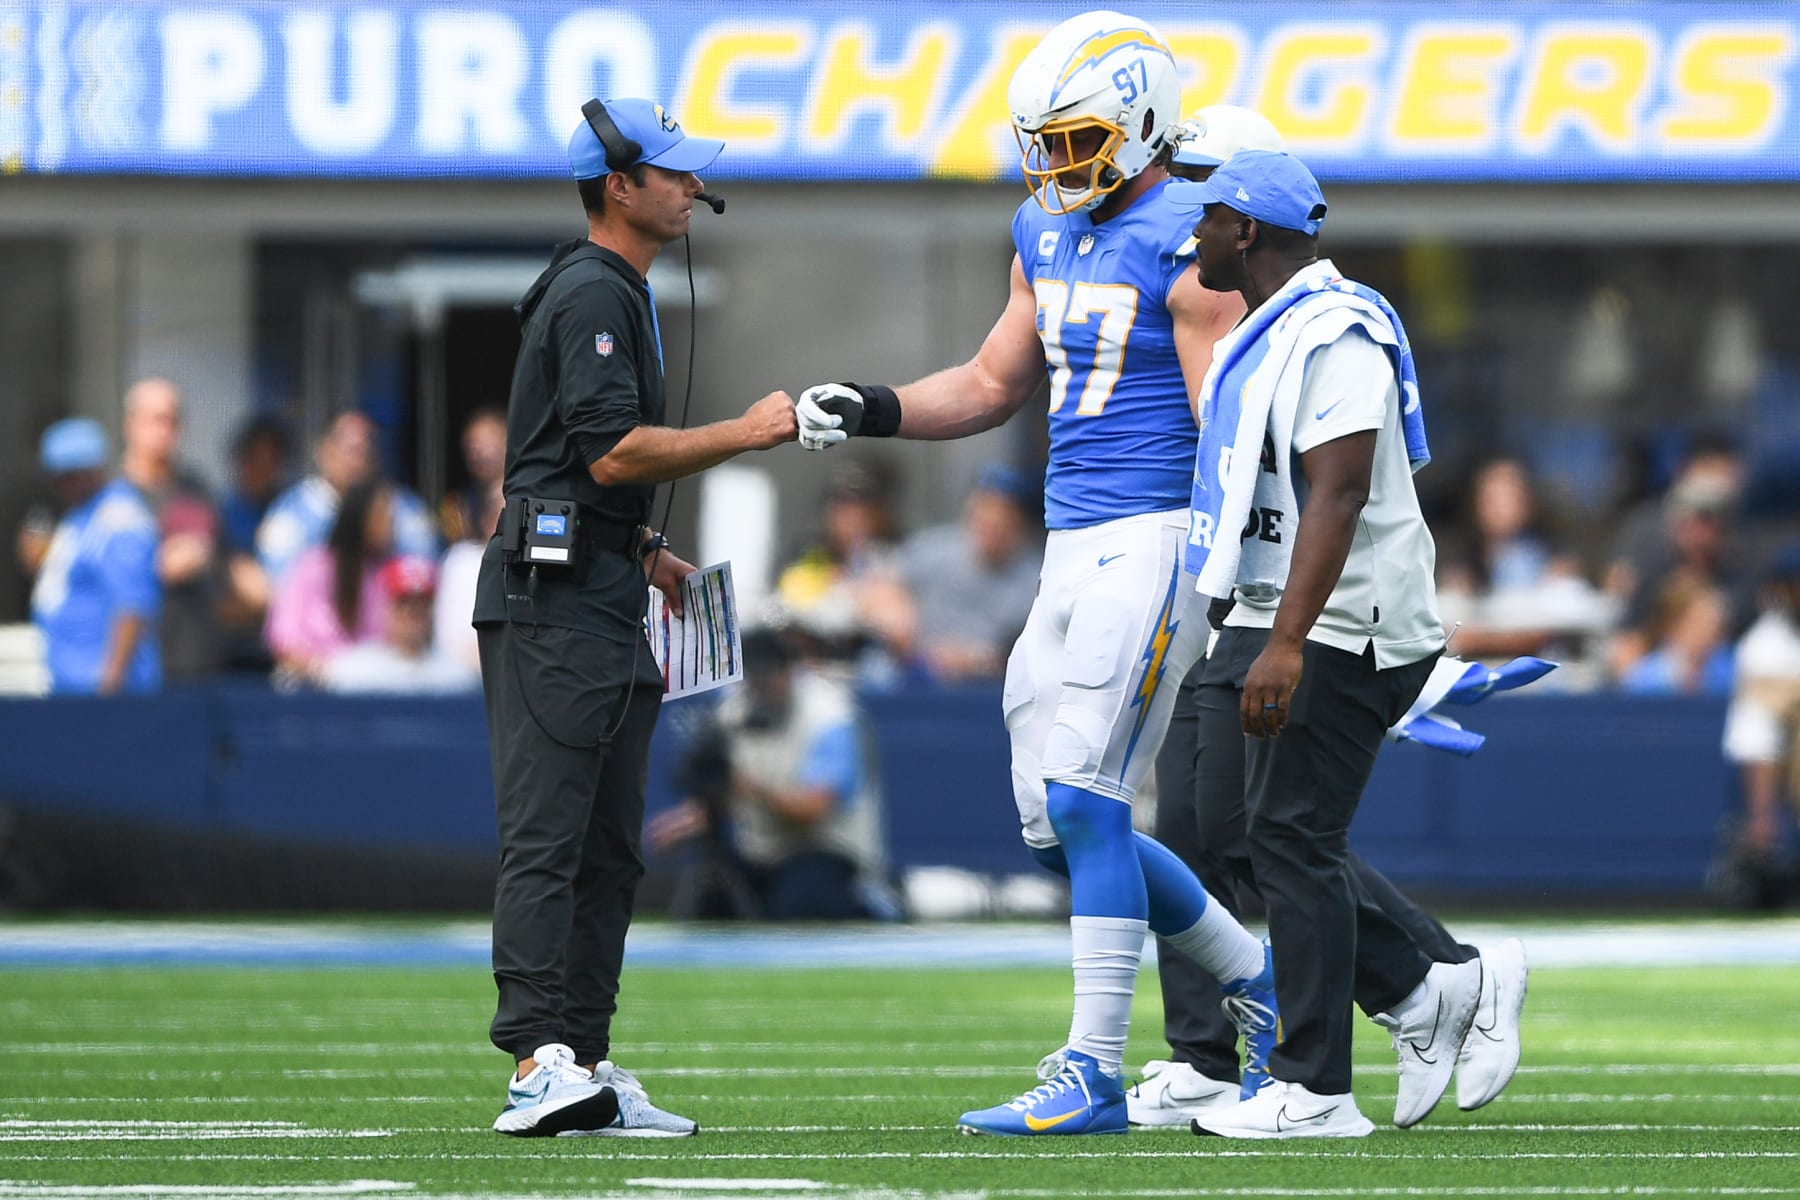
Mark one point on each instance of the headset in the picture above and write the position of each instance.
(622, 152)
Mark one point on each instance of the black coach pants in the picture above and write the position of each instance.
(1201, 816)
(569, 798)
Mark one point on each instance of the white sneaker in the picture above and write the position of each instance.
(1173, 1093)
(1427, 1030)
(1490, 1054)
(1287, 1110)
(637, 1117)
(557, 1097)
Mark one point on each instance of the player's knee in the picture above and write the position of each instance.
(1083, 819)
(1073, 749)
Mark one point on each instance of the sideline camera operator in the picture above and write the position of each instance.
(571, 688)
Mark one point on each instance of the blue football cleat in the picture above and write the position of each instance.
(1075, 1097)
(1250, 1003)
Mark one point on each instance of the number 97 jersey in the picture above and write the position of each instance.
(1122, 437)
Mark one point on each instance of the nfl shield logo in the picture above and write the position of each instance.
(603, 345)
(1084, 245)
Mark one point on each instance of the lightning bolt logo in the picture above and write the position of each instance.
(1155, 658)
(1102, 44)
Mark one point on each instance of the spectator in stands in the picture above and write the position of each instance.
(260, 457)
(97, 596)
(1764, 718)
(188, 558)
(333, 598)
(259, 467)
(1690, 645)
(484, 457)
(827, 587)
(1695, 540)
(302, 516)
(1508, 589)
(1642, 548)
(968, 586)
(403, 661)
(803, 804)
(454, 634)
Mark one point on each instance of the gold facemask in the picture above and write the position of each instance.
(1102, 175)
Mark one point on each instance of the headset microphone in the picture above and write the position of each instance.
(713, 201)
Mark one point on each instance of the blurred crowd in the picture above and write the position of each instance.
(328, 575)
(317, 571)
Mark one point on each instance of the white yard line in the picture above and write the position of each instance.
(1598, 943)
(354, 1187)
(1208, 1148)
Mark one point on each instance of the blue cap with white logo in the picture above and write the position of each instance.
(1273, 187)
(660, 140)
(76, 444)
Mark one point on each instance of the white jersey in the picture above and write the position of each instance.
(1092, 680)
(1385, 595)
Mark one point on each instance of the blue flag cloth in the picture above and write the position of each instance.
(1479, 682)
(1456, 682)
(1441, 734)
(1234, 391)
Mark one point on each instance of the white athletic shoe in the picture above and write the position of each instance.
(557, 1097)
(1427, 1032)
(638, 1118)
(1173, 1094)
(1490, 1054)
(1287, 1110)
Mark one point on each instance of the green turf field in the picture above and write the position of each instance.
(227, 1082)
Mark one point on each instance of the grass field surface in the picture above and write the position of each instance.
(216, 1082)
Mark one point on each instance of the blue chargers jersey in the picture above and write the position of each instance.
(101, 565)
(1122, 437)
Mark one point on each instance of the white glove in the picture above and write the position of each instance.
(821, 412)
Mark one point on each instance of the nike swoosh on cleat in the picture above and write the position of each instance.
(1436, 1022)
(1106, 558)
(1296, 1122)
(1487, 1031)
(1039, 1124)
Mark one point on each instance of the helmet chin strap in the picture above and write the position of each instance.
(1097, 178)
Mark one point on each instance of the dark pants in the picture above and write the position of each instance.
(1203, 760)
(814, 885)
(570, 738)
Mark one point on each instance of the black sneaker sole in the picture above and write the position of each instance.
(595, 1112)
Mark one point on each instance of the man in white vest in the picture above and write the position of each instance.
(803, 806)
(1304, 514)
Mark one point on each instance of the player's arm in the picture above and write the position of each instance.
(953, 403)
(1201, 318)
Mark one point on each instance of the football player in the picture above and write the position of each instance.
(1103, 298)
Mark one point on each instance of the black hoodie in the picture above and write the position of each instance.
(589, 371)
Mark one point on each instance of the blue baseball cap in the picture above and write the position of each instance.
(77, 444)
(651, 127)
(1274, 187)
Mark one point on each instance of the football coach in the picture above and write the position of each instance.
(571, 687)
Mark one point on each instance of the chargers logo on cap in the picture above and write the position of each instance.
(603, 345)
(665, 120)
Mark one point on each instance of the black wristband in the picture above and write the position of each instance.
(652, 544)
(881, 410)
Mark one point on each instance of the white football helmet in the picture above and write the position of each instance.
(1214, 133)
(1101, 73)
